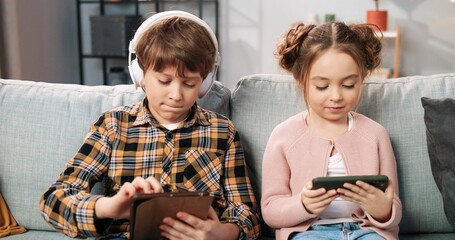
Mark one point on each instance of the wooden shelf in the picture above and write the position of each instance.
(396, 67)
(397, 36)
(135, 5)
(389, 34)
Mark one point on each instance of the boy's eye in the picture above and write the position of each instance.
(164, 82)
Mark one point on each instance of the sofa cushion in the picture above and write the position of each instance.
(41, 235)
(259, 103)
(395, 103)
(43, 125)
(439, 120)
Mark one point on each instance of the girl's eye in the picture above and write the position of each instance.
(321, 88)
(349, 86)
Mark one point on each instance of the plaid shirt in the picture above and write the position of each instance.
(203, 154)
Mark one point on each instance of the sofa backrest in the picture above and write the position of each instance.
(259, 102)
(396, 104)
(43, 125)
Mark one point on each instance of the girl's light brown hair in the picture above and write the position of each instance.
(177, 42)
(302, 44)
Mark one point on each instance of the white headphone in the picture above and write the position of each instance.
(137, 74)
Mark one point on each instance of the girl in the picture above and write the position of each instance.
(329, 63)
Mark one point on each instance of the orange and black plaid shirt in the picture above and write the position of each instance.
(203, 154)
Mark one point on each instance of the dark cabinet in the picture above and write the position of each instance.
(105, 28)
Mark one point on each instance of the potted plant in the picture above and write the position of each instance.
(377, 17)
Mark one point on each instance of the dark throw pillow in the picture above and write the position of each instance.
(440, 122)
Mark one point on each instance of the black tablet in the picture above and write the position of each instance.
(379, 181)
(149, 210)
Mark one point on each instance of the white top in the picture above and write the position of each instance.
(339, 210)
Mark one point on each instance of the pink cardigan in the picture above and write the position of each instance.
(294, 155)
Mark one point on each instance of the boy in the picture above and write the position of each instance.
(165, 139)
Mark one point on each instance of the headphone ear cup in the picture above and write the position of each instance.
(211, 77)
(136, 73)
(206, 84)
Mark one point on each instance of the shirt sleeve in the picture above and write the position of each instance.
(242, 207)
(67, 204)
(389, 168)
(281, 206)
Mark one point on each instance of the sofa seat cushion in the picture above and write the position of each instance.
(432, 236)
(41, 235)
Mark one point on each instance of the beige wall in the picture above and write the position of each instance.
(41, 35)
(40, 40)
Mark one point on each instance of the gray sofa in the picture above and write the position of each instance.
(42, 125)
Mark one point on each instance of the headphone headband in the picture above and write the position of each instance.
(165, 15)
(137, 73)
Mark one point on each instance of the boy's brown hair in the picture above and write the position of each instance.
(176, 42)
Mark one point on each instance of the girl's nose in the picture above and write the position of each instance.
(336, 95)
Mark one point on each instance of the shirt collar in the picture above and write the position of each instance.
(197, 116)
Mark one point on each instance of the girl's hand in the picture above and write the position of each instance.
(187, 226)
(118, 206)
(316, 201)
(371, 199)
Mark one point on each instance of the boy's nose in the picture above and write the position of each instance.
(175, 93)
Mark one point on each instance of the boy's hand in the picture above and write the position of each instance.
(371, 199)
(118, 206)
(316, 201)
(187, 226)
